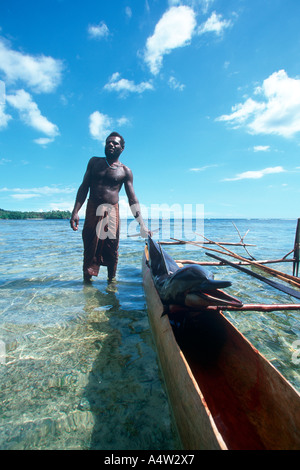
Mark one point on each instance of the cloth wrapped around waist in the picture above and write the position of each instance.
(100, 236)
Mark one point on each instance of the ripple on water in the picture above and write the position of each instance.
(79, 369)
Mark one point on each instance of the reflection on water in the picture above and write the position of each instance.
(78, 369)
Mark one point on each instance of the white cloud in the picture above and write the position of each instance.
(4, 118)
(101, 125)
(256, 174)
(30, 113)
(43, 191)
(43, 141)
(204, 4)
(241, 112)
(122, 121)
(4, 161)
(21, 196)
(40, 73)
(261, 148)
(174, 29)
(278, 112)
(202, 168)
(98, 31)
(124, 86)
(128, 12)
(174, 83)
(62, 206)
(214, 24)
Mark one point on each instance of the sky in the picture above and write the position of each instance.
(206, 94)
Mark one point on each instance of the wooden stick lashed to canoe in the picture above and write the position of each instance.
(276, 285)
(242, 240)
(259, 307)
(283, 276)
(289, 253)
(246, 263)
(183, 242)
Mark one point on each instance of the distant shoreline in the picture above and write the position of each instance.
(66, 215)
(28, 215)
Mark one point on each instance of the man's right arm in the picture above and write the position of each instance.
(134, 203)
(81, 196)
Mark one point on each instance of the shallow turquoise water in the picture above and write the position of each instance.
(78, 368)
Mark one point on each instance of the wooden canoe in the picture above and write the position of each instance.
(223, 393)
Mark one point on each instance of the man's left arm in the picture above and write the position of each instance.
(134, 203)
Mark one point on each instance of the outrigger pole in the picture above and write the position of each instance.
(276, 285)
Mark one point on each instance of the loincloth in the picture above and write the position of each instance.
(100, 237)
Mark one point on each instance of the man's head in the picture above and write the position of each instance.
(114, 145)
(116, 134)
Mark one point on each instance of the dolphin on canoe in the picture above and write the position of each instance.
(191, 286)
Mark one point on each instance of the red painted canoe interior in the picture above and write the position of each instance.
(203, 341)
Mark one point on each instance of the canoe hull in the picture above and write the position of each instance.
(241, 402)
(179, 380)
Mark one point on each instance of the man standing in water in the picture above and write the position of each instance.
(104, 179)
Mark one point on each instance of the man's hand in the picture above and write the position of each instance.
(144, 232)
(74, 221)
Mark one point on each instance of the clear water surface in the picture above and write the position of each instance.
(78, 367)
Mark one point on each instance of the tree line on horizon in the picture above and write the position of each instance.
(6, 214)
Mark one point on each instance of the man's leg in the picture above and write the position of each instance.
(87, 278)
(111, 272)
(90, 243)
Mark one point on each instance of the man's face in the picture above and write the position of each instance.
(113, 147)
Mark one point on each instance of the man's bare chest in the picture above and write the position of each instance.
(104, 175)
